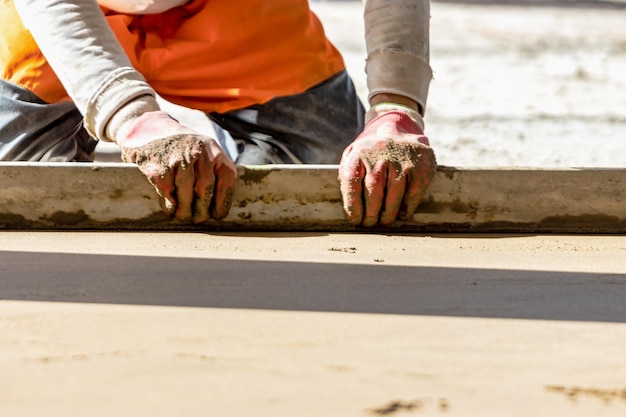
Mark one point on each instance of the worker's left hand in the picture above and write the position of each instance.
(386, 171)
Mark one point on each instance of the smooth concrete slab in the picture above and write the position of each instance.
(312, 324)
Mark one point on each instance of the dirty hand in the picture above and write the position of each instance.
(194, 178)
(386, 171)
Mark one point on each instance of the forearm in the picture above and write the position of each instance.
(76, 40)
(397, 40)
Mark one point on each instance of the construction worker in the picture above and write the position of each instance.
(77, 71)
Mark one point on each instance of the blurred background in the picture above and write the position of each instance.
(516, 83)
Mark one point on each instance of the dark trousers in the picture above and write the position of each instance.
(312, 127)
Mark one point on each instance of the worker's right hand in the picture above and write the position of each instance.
(193, 176)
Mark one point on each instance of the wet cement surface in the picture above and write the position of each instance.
(311, 324)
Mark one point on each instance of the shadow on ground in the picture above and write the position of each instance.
(303, 286)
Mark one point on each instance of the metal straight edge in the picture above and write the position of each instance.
(112, 196)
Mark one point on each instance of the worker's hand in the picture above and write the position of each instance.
(194, 178)
(385, 172)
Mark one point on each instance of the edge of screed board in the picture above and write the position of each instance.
(116, 196)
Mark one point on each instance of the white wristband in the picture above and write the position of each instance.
(385, 107)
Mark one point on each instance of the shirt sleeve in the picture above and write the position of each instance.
(79, 45)
(397, 41)
(141, 6)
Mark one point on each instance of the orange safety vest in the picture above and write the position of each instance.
(210, 55)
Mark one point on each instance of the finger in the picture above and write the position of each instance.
(418, 181)
(413, 197)
(351, 174)
(374, 192)
(396, 186)
(224, 189)
(162, 178)
(203, 188)
(184, 182)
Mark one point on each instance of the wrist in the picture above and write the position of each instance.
(394, 98)
(123, 119)
(381, 108)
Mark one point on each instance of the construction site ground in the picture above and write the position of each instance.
(311, 324)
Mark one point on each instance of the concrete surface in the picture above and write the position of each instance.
(163, 324)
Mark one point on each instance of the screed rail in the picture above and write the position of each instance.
(286, 197)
